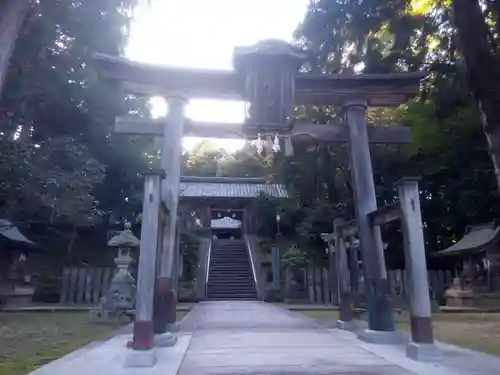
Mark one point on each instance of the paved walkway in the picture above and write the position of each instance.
(250, 338)
(259, 338)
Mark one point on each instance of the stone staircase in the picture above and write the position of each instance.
(230, 274)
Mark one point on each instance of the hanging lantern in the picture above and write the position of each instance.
(266, 72)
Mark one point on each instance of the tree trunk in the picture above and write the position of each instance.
(12, 14)
(482, 70)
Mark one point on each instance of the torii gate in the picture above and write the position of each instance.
(267, 76)
(12, 15)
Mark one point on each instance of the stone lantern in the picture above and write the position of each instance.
(267, 71)
(120, 299)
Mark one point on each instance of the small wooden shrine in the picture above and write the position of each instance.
(477, 254)
(216, 204)
(16, 288)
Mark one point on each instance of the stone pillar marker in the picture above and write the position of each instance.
(166, 295)
(332, 268)
(142, 353)
(421, 347)
(380, 319)
(276, 266)
(346, 316)
(354, 268)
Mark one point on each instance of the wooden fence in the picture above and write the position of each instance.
(318, 286)
(86, 285)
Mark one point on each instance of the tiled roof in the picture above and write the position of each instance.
(229, 188)
(476, 239)
(10, 231)
(225, 223)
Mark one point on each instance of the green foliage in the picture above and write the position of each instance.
(294, 257)
(64, 164)
(189, 251)
(51, 180)
(449, 149)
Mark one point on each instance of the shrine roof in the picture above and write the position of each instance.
(477, 238)
(229, 187)
(9, 231)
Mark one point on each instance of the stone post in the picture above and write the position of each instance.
(166, 296)
(142, 353)
(346, 316)
(421, 347)
(332, 268)
(354, 269)
(276, 265)
(380, 319)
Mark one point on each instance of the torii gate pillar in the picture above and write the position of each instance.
(380, 312)
(166, 282)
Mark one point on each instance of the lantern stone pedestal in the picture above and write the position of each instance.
(16, 295)
(467, 297)
(118, 303)
(458, 296)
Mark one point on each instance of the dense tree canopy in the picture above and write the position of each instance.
(60, 116)
(61, 164)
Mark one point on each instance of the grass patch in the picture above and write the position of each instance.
(321, 315)
(29, 340)
(474, 331)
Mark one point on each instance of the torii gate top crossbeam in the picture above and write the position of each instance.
(379, 90)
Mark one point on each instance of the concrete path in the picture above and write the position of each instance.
(250, 338)
(259, 338)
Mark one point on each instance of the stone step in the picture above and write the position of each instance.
(231, 283)
(232, 276)
(225, 267)
(232, 296)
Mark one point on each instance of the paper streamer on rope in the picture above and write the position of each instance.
(259, 144)
(276, 144)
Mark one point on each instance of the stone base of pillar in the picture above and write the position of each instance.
(140, 358)
(380, 314)
(380, 337)
(173, 327)
(423, 352)
(165, 340)
(347, 326)
(164, 305)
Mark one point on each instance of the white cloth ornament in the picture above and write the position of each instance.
(259, 144)
(276, 144)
